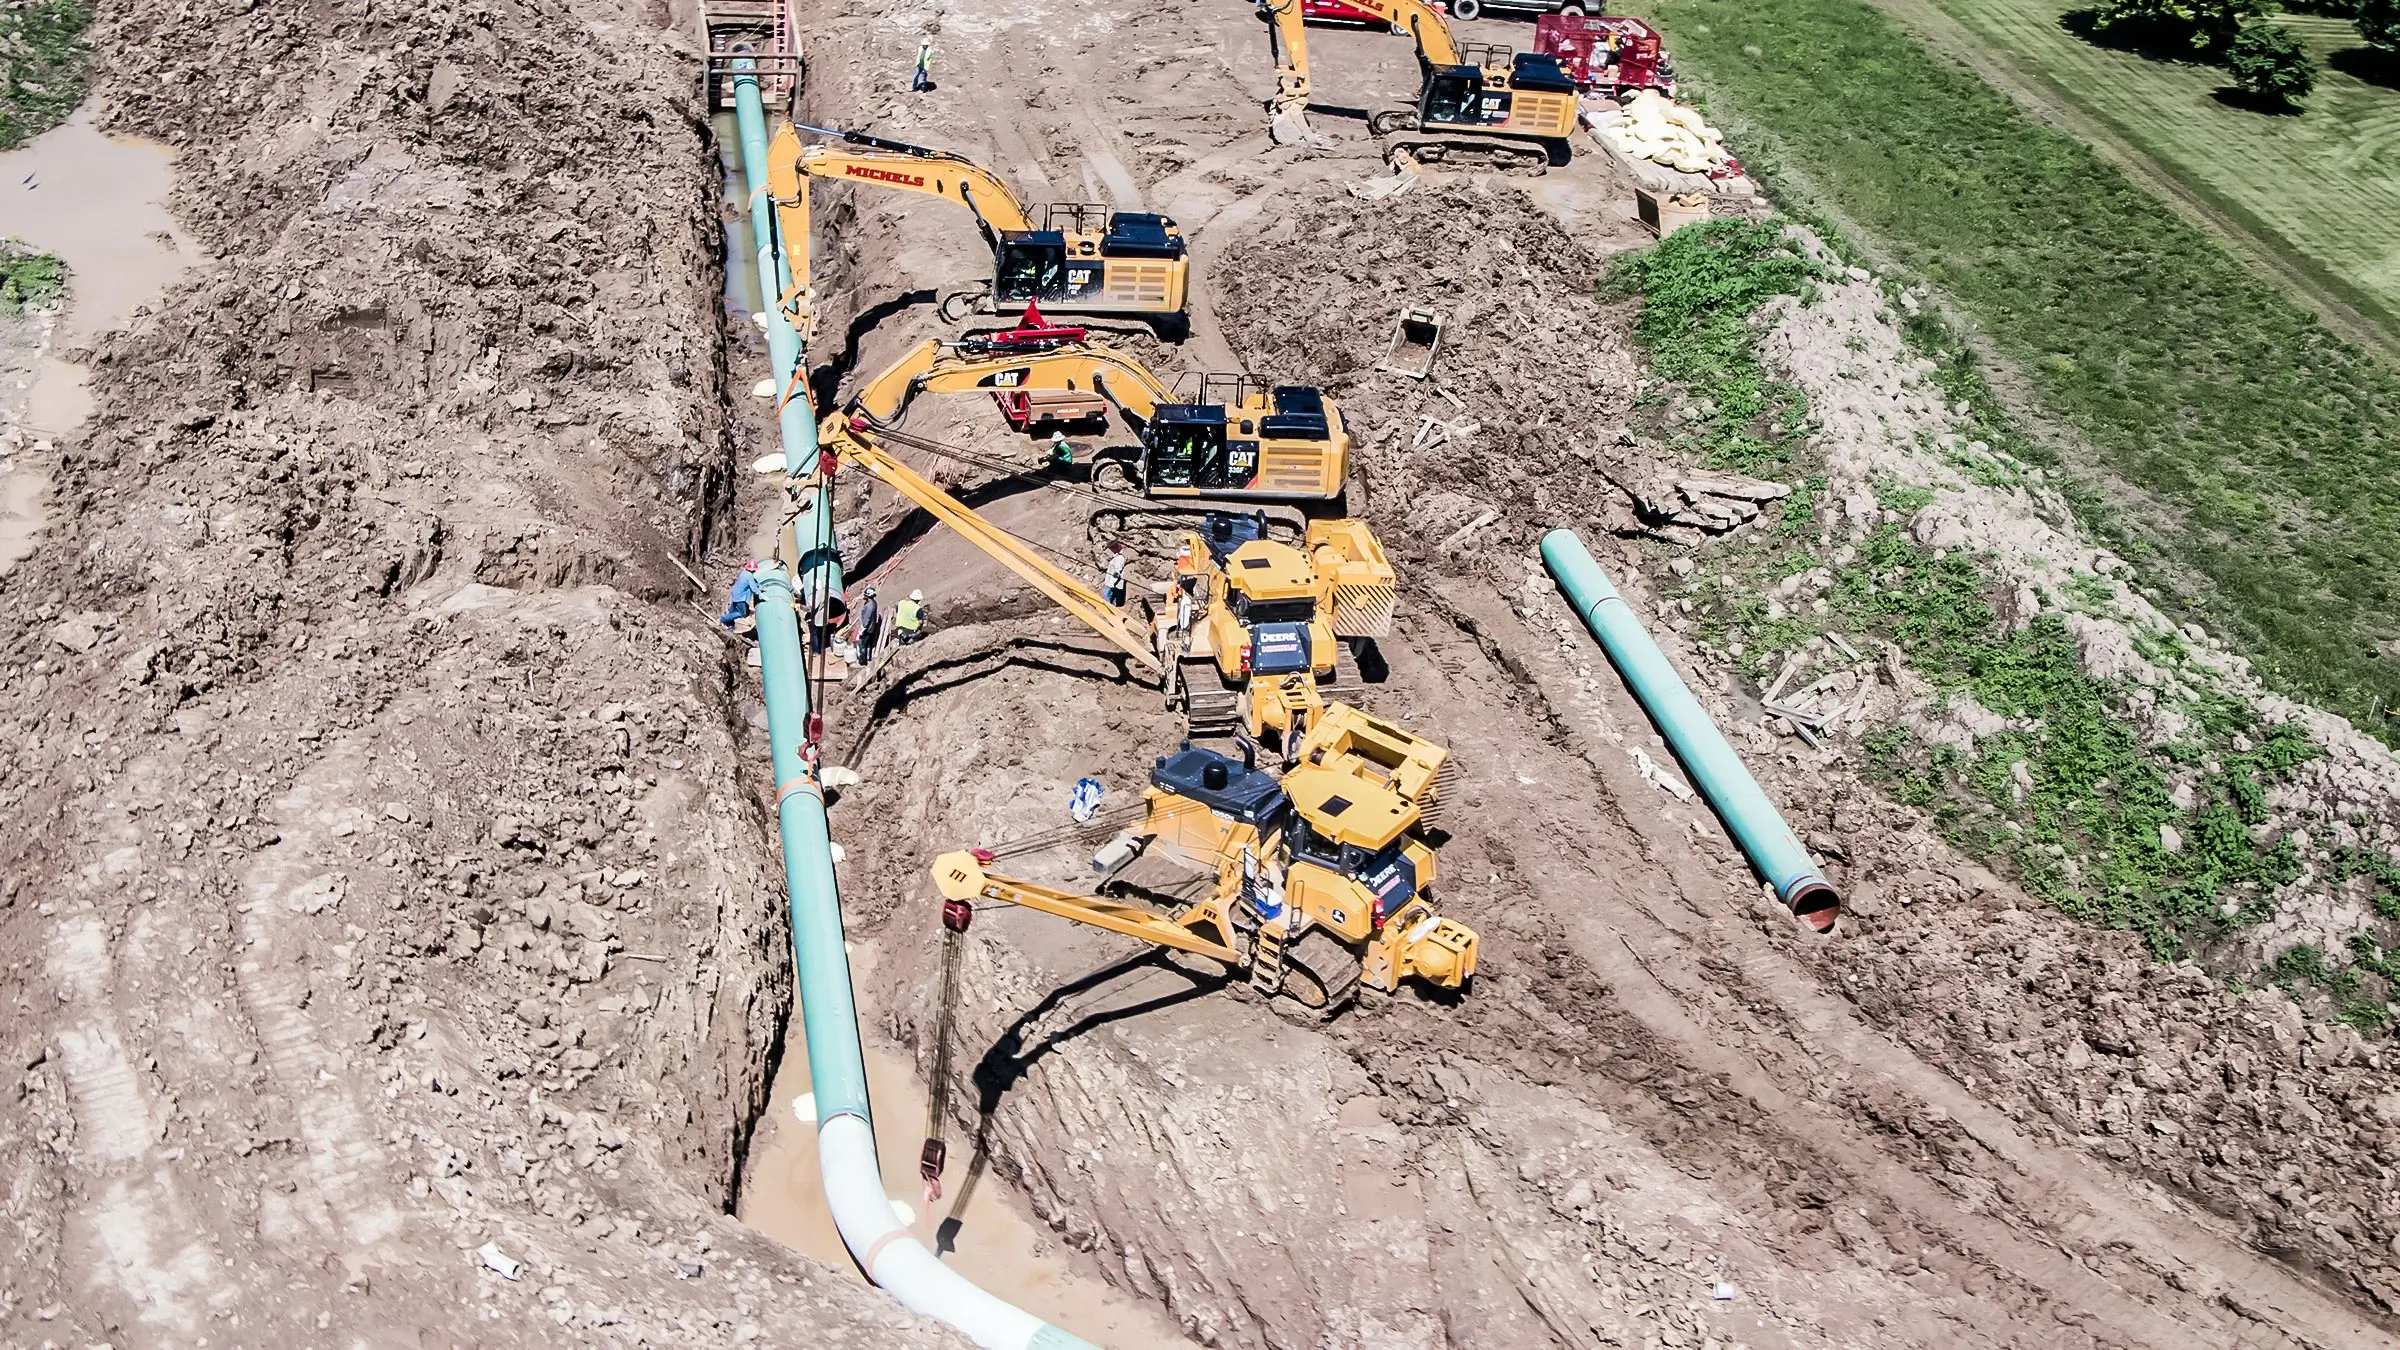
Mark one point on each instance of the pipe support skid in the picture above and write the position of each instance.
(1765, 837)
(853, 1178)
(818, 562)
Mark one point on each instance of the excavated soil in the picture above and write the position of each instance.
(388, 875)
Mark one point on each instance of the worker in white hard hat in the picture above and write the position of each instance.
(1062, 455)
(908, 620)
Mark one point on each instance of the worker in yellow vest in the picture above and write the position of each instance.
(908, 619)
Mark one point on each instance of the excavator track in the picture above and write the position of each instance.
(1321, 974)
(1405, 137)
(1209, 708)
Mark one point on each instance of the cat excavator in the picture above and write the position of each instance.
(1239, 437)
(1477, 101)
(1074, 257)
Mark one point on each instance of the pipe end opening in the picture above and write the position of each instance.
(1815, 903)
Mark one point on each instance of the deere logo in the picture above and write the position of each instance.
(884, 175)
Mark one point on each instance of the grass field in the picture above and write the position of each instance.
(2253, 455)
(2323, 186)
(43, 65)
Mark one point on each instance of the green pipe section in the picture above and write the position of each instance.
(1765, 837)
(837, 1068)
(820, 563)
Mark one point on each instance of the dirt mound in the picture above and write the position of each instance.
(372, 825)
(1531, 388)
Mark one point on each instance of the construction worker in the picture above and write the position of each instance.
(745, 595)
(1062, 455)
(922, 80)
(868, 628)
(1112, 577)
(908, 621)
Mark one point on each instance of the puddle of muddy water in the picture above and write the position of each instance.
(997, 1240)
(99, 204)
(741, 243)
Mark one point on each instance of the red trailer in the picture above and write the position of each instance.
(1611, 57)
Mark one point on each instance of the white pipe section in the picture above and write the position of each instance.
(898, 1263)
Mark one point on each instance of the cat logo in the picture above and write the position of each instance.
(1079, 276)
(1008, 379)
(884, 175)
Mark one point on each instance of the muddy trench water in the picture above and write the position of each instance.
(98, 203)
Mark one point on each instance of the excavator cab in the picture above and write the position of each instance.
(1455, 97)
(1186, 446)
(1032, 267)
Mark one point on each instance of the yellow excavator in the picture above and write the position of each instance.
(1262, 623)
(1321, 882)
(1078, 258)
(1476, 100)
(1239, 438)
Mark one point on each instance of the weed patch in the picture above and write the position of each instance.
(1701, 288)
(44, 63)
(27, 279)
(2262, 441)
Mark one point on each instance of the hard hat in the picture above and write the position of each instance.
(870, 590)
(750, 566)
(918, 596)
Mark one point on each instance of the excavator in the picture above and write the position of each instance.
(1078, 258)
(1322, 883)
(1240, 438)
(1477, 100)
(1263, 622)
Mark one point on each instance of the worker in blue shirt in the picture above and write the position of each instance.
(745, 595)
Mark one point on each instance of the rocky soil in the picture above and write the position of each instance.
(394, 956)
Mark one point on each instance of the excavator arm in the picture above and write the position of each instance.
(1421, 21)
(852, 441)
(939, 367)
(860, 158)
(1289, 36)
(961, 877)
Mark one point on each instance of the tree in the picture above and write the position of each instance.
(2209, 25)
(2267, 60)
(2379, 23)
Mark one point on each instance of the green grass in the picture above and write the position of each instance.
(2323, 185)
(1699, 287)
(44, 62)
(27, 278)
(2067, 797)
(2258, 447)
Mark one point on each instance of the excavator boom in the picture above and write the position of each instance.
(960, 876)
(939, 367)
(852, 442)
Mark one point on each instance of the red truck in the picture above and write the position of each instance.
(1612, 57)
(1334, 11)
